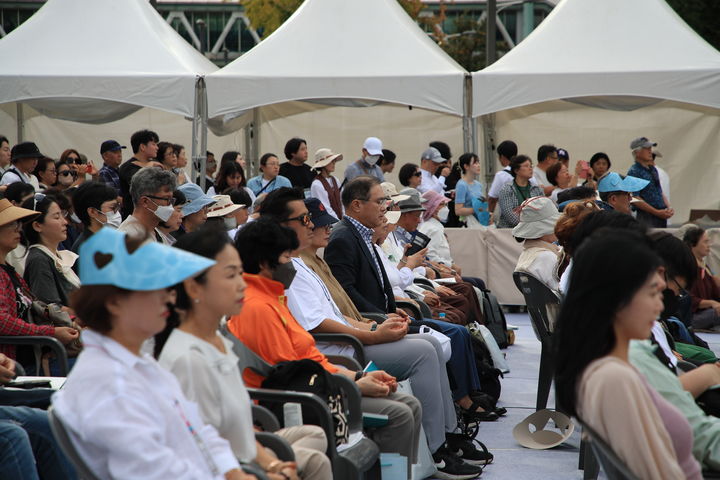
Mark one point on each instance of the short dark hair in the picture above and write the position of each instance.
(552, 173)
(177, 148)
(266, 157)
(262, 242)
(677, 256)
(276, 203)
(3, 138)
(227, 169)
(598, 156)
(42, 164)
(544, 151)
(208, 153)
(292, 146)
(443, 148)
(162, 148)
(142, 137)
(507, 149)
(692, 236)
(358, 189)
(17, 190)
(605, 196)
(515, 163)
(388, 157)
(575, 193)
(91, 195)
(407, 171)
(42, 205)
(238, 196)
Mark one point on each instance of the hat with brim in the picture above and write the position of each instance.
(393, 216)
(223, 206)
(613, 182)
(25, 150)
(641, 142)
(390, 191)
(318, 213)
(10, 213)
(411, 204)
(538, 216)
(433, 201)
(196, 198)
(541, 437)
(105, 260)
(324, 157)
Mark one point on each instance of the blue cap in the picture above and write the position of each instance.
(105, 260)
(318, 212)
(196, 198)
(613, 182)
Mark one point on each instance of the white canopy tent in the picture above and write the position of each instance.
(340, 52)
(594, 75)
(96, 61)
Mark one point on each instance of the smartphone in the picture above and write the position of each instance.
(585, 169)
(419, 241)
(28, 384)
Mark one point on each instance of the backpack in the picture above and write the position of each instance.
(495, 318)
(308, 376)
(487, 373)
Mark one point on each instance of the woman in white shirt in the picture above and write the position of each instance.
(325, 187)
(126, 415)
(206, 367)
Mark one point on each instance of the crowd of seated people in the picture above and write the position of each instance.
(146, 265)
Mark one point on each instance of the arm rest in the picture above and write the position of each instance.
(40, 341)
(343, 361)
(307, 400)
(254, 469)
(377, 317)
(265, 418)
(343, 339)
(410, 308)
(277, 444)
(353, 399)
(425, 283)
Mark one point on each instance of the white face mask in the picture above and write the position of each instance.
(66, 180)
(443, 214)
(372, 159)
(75, 218)
(114, 219)
(230, 223)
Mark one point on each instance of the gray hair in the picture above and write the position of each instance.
(150, 180)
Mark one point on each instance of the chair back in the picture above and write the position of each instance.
(614, 467)
(66, 445)
(537, 298)
(246, 357)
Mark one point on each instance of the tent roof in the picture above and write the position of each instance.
(588, 48)
(341, 49)
(85, 60)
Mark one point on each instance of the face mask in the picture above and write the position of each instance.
(372, 159)
(284, 273)
(114, 219)
(443, 214)
(75, 218)
(164, 213)
(211, 165)
(230, 223)
(66, 180)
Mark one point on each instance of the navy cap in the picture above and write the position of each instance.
(110, 145)
(318, 212)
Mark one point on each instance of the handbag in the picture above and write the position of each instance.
(41, 313)
(442, 338)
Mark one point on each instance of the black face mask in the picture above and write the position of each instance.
(670, 302)
(284, 273)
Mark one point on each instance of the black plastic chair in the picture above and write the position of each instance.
(352, 463)
(537, 298)
(38, 343)
(66, 445)
(356, 363)
(612, 465)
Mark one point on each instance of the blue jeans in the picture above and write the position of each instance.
(27, 447)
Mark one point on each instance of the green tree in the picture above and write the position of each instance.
(267, 15)
(702, 15)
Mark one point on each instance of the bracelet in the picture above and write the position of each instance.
(373, 327)
(359, 374)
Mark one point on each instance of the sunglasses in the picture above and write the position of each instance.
(417, 174)
(74, 160)
(303, 219)
(68, 172)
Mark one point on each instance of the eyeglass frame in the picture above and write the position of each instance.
(305, 219)
(170, 200)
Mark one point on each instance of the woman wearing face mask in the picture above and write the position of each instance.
(222, 214)
(65, 176)
(436, 212)
(270, 178)
(172, 225)
(96, 205)
(48, 271)
(593, 376)
(469, 191)
(194, 350)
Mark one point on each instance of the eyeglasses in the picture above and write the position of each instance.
(68, 172)
(417, 174)
(304, 219)
(326, 228)
(380, 201)
(170, 200)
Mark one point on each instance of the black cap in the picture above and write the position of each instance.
(25, 150)
(109, 145)
(318, 212)
(562, 153)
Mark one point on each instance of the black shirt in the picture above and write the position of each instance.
(300, 176)
(126, 172)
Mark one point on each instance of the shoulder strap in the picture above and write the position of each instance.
(266, 185)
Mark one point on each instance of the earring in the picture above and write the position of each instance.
(196, 300)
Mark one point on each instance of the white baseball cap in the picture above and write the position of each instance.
(373, 145)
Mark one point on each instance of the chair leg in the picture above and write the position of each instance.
(544, 378)
(581, 456)
(592, 467)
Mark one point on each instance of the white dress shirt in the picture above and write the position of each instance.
(438, 248)
(430, 182)
(318, 191)
(128, 418)
(311, 303)
(212, 379)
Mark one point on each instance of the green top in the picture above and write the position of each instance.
(522, 193)
(706, 429)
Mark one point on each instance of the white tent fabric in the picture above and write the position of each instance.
(590, 48)
(341, 49)
(96, 61)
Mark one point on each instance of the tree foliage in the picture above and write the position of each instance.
(267, 15)
(702, 15)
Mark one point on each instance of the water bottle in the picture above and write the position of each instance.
(441, 316)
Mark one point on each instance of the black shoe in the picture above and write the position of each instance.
(450, 467)
(464, 448)
(501, 411)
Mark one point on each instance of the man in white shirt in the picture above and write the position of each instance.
(24, 157)
(506, 150)
(546, 157)
(4, 154)
(429, 162)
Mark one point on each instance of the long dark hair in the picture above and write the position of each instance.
(227, 169)
(207, 241)
(608, 270)
(40, 203)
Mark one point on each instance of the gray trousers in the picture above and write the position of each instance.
(419, 358)
(402, 432)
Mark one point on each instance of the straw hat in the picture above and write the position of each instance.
(10, 213)
(390, 190)
(324, 157)
(223, 206)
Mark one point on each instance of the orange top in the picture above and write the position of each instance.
(266, 326)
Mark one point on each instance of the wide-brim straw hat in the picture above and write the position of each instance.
(223, 206)
(10, 213)
(324, 157)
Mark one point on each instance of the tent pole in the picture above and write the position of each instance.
(199, 134)
(20, 119)
(255, 141)
(488, 124)
(467, 114)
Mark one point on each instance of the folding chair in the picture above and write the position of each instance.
(38, 342)
(614, 467)
(66, 445)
